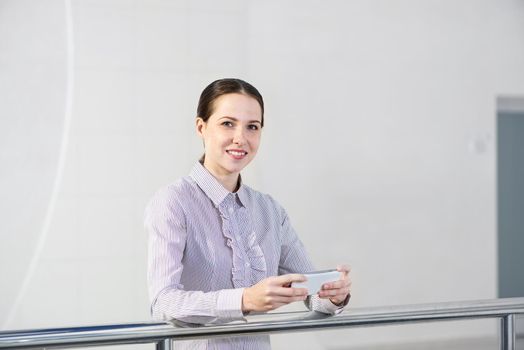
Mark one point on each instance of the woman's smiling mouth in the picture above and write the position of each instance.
(236, 153)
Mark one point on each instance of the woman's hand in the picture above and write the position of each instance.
(273, 292)
(337, 291)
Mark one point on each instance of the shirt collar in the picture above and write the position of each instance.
(214, 189)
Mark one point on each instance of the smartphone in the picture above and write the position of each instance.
(316, 279)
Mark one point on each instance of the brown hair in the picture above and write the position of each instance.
(222, 87)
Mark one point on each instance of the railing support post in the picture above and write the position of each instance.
(165, 344)
(507, 332)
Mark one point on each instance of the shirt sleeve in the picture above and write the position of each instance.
(166, 226)
(315, 303)
(294, 259)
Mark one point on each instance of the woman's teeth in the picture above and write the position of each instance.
(238, 154)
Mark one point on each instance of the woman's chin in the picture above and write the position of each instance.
(236, 166)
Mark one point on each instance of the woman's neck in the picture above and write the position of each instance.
(228, 180)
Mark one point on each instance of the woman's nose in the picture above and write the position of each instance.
(239, 138)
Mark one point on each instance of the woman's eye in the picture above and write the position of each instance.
(253, 127)
(226, 123)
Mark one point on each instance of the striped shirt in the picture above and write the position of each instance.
(207, 244)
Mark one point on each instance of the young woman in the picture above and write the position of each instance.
(219, 249)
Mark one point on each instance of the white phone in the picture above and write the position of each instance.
(316, 279)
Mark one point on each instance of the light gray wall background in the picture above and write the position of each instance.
(379, 142)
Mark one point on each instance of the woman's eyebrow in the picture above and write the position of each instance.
(235, 119)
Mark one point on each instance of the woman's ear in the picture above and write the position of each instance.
(200, 126)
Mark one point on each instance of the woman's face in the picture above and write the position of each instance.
(231, 134)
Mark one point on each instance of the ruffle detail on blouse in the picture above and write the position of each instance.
(256, 260)
(256, 255)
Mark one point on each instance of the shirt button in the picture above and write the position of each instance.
(230, 210)
(228, 243)
(247, 264)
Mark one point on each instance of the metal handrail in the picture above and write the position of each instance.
(163, 333)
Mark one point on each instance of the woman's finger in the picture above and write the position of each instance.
(333, 293)
(288, 292)
(283, 280)
(344, 268)
(337, 284)
(285, 300)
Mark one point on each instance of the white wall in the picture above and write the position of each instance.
(381, 112)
